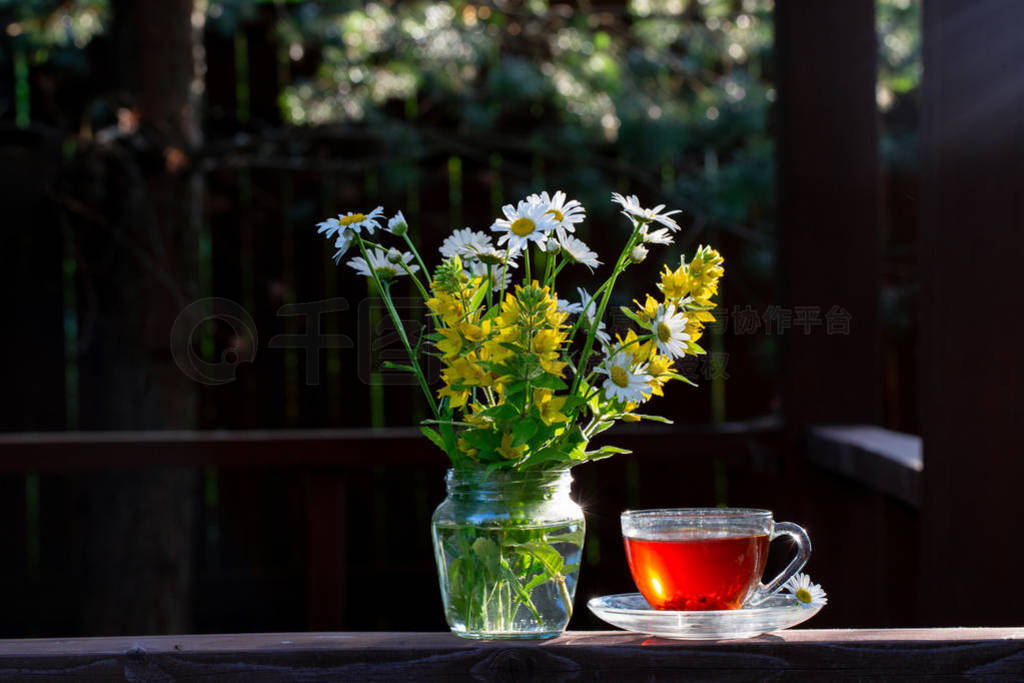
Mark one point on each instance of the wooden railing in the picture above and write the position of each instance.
(327, 529)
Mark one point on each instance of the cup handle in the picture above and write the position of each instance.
(803, 552)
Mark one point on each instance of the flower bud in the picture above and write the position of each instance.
(552, 246)
(394, 256)
(638, 254)
(397, 225)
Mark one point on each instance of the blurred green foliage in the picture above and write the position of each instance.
(661, 97)
(669, 93)
(677, 91)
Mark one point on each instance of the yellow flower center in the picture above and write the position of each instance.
(354, 218)
(522, 226)
(559, 216)
(619, 376)
(803, 595)
(664, 332)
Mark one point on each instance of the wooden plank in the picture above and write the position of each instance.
(830, 240)
(326, 551)
(991, 653)
(77, 451)
(972, 227)
(883, 460)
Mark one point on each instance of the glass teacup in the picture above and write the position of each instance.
(706, 558)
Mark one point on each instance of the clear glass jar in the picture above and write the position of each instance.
(508, 547)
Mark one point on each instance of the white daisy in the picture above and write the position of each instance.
(522, 224)
(329, 226)
(577, 251)
(566, 214)
(347, 226)
(588, 307)
(342, 244)
(353, 221)
(565, 306)
(465, 242)
(381, 264)
(659, 236)
(397, 225)
(632, 209)
(806, 593)
(625, 384)
(669, 329)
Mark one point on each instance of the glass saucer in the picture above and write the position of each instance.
(631, 612)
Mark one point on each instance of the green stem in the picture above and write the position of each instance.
(415, 280)
(564, 589)
(504, 272)
(412, 248)
(558, 269)
(588, 346)
(386, 296)
(490, 286)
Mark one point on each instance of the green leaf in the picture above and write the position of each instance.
(482, 439)
(517, 587)
(550, 558)
(398, 366)
(695, 348)
(478, 295)
(489, 554)
(434, 437)
(575, 538)
(548, 381)
(635, 318)
(606, 452)
(502, 411)
(523, 430)
(653, 418)
(683, 379)
(541, 456)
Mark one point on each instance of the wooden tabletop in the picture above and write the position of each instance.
(996, 653)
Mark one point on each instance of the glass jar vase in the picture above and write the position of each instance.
(508, 547)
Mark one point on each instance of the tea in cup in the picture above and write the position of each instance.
(706, 558)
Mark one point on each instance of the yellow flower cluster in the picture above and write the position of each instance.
(487, 352)
(690, 287)
(687, 291)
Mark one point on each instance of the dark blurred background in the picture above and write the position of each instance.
(164, 163)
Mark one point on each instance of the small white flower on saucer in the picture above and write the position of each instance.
(566, 214)
(669, 328)
(383, 263)
(631, 208)
(806, 593)
(625, 384)
(524, 223)
(577, 251)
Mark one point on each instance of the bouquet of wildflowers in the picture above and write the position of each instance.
(529, 378)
